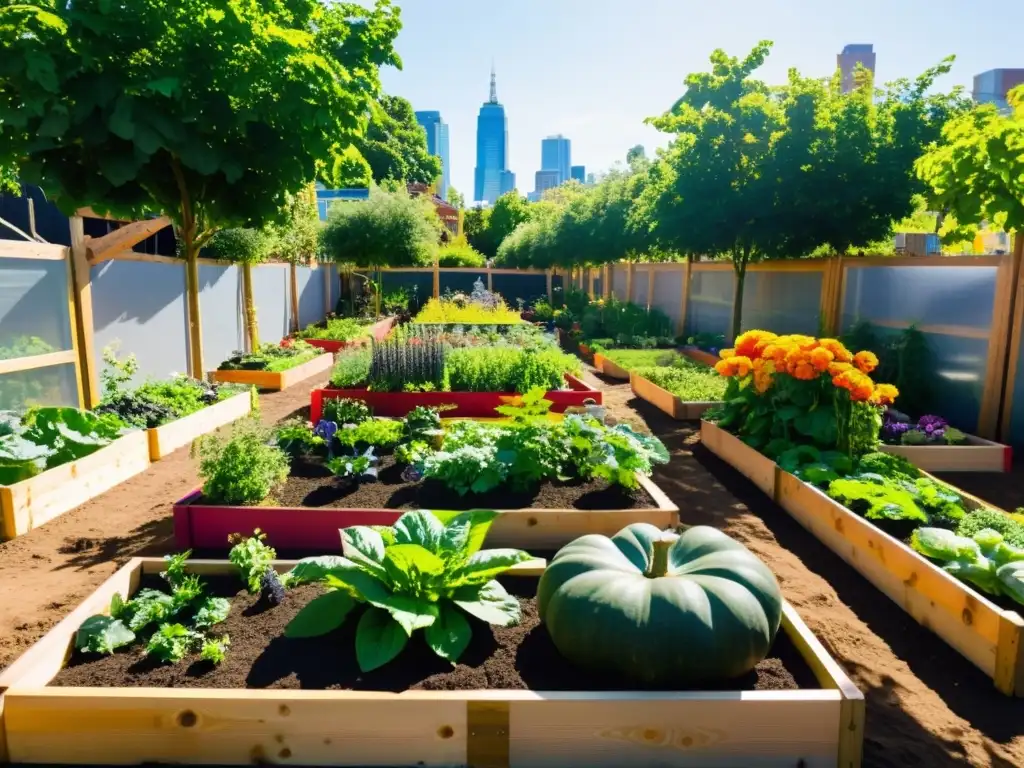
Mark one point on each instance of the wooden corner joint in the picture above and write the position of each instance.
(123, 239)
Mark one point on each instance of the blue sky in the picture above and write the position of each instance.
(594, 69)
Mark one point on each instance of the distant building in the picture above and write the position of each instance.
(325, 198)
(545, 180)
(847, 61)
(579, 173)
(446, 212)
(991, 87)
(437, 145)
(556, 155)
(492, 178)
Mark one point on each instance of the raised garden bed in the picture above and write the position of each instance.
(548, 518)
(798, 707)
(169, 437)
(37, 500)
(378, 332)
(756, 467)
(666, 401)
(977, 455)
(276, 380)
(467, 404)
(700, 356)
(610, 369)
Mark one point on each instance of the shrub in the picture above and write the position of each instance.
(351, 369)
(688, 381)
(460, 255)
(336, 329)
(507, 369)
(242, 469)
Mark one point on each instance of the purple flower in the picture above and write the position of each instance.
(892, 431)
(930, 423)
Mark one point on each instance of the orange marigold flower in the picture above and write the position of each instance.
(725, 368)
(747, 343)
(862, 393)
(865, 361)
(885, 394)
(763, 380)
(725, 354)
(804, 371)
(835, 369)
(742, 364)
(821, 358)
(839, 351)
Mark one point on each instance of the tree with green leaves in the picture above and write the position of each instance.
(210, 113)
(395, 144)
(456, 198)
(508, 212)
(976, 170)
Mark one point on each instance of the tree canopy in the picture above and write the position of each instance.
(395, 145)
(976, 170)
(486, 228)
(391, 229)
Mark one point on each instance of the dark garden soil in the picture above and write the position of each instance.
(312, 485)
(1001, 489)
(260, 656)
(926, 706)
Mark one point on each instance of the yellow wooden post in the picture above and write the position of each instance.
(82, 297)
(630, 268)
(606, 284)
(996, 370)
(684, 299)
(437, 278)
(195, 319)
(1014, 337)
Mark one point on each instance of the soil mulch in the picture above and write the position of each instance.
(1001, 489)
(312, 485)
(519, 657)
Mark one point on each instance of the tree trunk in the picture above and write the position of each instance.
(252, 328)
(192, 289)
(737, 302)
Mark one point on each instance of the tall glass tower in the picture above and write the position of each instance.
(437, 145)
(556, 155)
(492, 178)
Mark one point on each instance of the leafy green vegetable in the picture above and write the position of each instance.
(973, 522)
(358, 467)
(21, 459)
(984, 559)
(344, 410)
(103, 634)
(251, 556)
(888, 465)
(243, 469)
(296, 439)
(214, 650)
(172, 643)
(877, 501)
(210, 611)
(377, 433)
(688, 381)
(414, 577)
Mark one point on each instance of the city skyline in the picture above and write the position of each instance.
(492, 176)
(597, 81)
(438, 144)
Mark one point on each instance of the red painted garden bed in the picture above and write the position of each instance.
(379, 332)
(468, 404)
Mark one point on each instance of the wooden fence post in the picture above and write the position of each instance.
(831, 295)
(1015, 338)
(650, 286)
(328, 304)
(684, 297)
(629, 280)
(549, 275)
(490, 279)
(82, 298)
(437, 278)
(293, 279)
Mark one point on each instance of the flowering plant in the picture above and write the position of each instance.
(929, 430)
(800, 389)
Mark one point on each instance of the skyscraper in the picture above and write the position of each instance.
(556, 155)
(991, 87)
(437, 145)
(492, 178)
(545, 180)
(579, 173)
(852, 55)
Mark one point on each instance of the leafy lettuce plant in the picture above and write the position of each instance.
(420, 574)
(251, 556)
(357, 467)
(985, 560)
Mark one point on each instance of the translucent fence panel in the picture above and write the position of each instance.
(271, 293)
(35, 318)
(53, 385)
(420, 285)
(709, 309)
(619, 276)
(953, 306)
(782, 302)
(220, 306)
(461, 281)
(525, 287)
(641, 286)
(1016, 435)
(310, 285)
(141, 306)
(668, 291)
(598, 287)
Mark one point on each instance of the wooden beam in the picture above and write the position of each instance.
(82, 297)
(437, 279)
(995, 373)
(16, 249)
(549, 277)
(490, 279)
(684, 299)
(629, 280)
(327, 288)
(1016, 338)
(124, 239)
(31, 363)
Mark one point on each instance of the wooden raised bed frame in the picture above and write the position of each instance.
(316, 529)
(468, 404)
(610, 369)
(33, 502)
(700, 356)
(988, 636)
(482, 728)
(276, 380)
(169, 437)
(378, 332)
(665, 401)
(978, 455)
(757, 468)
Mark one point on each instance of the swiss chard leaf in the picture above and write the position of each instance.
(149, 606)
(102, 634)
(312, 569)
(411, 568)
(321, 615)
(21, 459)
(489, 602)
(464, 533)
(379, 639)
(365, 547)
(449, 636)
(419, 527)
(485, 565)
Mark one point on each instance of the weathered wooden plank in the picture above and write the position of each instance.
(169, 437)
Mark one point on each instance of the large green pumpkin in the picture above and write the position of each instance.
(661, 608)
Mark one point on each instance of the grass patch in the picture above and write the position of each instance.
(629, 359)
(689, 381)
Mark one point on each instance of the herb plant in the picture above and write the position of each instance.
(351, 368)
(688, 381)
(336, 329)
(344, 410)
(414, 365)
(214, 650)
(242, 469)
(296, 439)
(271, 357)
(358, 467)
(172, 643)
(378, 433)
(251, 556)
(420, 574)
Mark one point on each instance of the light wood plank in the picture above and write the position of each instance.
(978, 455)
(124, 238)
(17, 249)
(759, 469)
(1016, 339)
(276, 380)
(33, 502)
(82, 296)
(169, 437)
(545, 529)
(33, 362)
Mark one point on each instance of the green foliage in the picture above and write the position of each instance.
(395, 144)
(271, 357)
(391, 229)
(486, 229)
(407, 365)
(631, 359)
(185, 100)
(459, 254)
(214, 650)
(26, 346)
(102, 634)
(351, 368)
(688, 381)
(979, 520)
(888, 465)
(976, 170)
(985, 559)
(877, 501)
(505, 369)
(378, 433)
(420, 574)
(296, 439)
(243, 469)
(251, 556)
(358, 467)
(345, 410)
(172, 643)
(905, 359)
(336, 329)
(242, 245)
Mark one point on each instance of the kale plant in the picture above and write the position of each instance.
(251, 557)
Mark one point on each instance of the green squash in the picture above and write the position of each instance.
(659, 607)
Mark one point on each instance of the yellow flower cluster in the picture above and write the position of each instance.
(806, 358)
